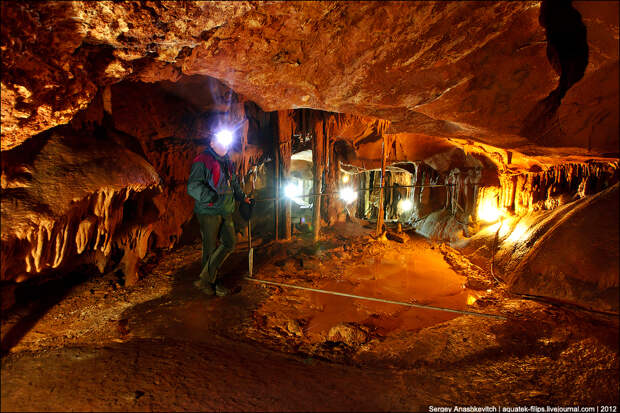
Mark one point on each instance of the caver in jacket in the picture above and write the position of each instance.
(213, 184)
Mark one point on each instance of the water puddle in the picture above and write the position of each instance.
(423, 278)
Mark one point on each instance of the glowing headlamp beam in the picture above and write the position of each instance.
(224, 137)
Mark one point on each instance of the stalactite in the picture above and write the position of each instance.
(470, 190)
(518, 193)
(84, 233)
(135, 244)
(61, 245)
(286, 128)
(90, 226)
(550, 188)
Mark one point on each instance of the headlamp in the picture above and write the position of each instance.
(224, 137)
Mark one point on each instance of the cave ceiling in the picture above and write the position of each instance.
(520, 75)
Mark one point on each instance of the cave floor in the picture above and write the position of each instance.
(163, 345)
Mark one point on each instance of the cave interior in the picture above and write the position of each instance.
(436, 218)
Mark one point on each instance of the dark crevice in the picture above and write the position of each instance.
(567, 44)
(567, 51)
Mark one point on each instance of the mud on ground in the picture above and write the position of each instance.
(163, 345)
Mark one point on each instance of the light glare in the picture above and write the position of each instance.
(518, 233)
(348, 195)
(405, 205)
(488, 210)
(224, 137)
(292, 191)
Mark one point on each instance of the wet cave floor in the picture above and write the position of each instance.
(163, 345)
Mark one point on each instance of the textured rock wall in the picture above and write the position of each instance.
(568, 253)
(449, 69)
(161, 127)
(57, 54)
(587, 115)
(559, 184)
(63, 196)
(574, 259)
(558, 237)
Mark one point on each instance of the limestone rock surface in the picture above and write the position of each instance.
(448, 69)
(65, 197)
(572, 261)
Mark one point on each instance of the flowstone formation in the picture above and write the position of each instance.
(67, 199)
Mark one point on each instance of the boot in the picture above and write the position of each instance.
(204, 286)
(220, 290)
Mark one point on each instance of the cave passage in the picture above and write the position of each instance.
(432, 190)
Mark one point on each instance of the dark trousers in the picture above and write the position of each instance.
(213, 227)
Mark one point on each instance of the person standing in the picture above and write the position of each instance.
(215, 187)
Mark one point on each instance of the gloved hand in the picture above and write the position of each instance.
(245, 208)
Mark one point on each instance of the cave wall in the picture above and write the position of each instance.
(576, 259)
(568, 253)
(587, 115)
(63, 196)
